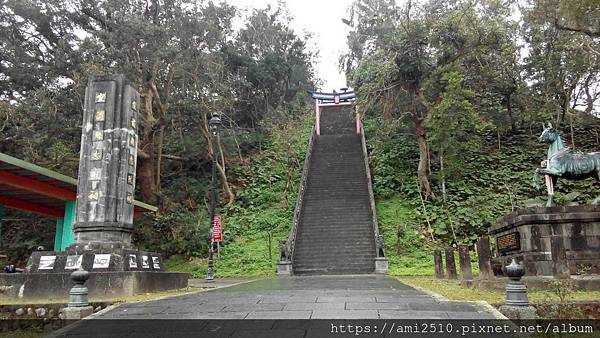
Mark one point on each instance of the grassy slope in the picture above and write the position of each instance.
(264, 207)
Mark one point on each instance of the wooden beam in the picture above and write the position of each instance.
(36, 169)
(18, 204)
(37, 187)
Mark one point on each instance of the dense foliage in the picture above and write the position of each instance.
(455, 93)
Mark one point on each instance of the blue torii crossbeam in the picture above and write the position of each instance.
(332, 97)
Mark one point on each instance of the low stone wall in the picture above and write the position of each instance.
(568, 310)
(56, 286)
(47, 316)
(40, 311)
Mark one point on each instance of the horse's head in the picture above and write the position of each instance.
(549, 135)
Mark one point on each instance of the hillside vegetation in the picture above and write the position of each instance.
(453, 95)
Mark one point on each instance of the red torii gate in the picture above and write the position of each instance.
(324, 100)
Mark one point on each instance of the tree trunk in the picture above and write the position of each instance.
(443, 174)
(510, 111)
(226, 187)
(423, 168)
(146, 166)
(161, 140)
(220, 163)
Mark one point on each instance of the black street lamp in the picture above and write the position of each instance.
(214, 124)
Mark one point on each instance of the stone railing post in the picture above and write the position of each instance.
(466, 274)
(438, 264)
(484, 258)
(450, 264)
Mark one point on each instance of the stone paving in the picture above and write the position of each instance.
(310, 297)
(262, 308)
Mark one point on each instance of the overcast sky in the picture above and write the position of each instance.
(324, 19)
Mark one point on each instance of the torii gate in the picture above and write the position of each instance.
(345, 98)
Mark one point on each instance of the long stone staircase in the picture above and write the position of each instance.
(335, 230)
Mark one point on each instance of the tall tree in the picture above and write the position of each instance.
(406, 47)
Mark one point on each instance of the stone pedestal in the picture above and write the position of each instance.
(284, 268)
(450, 264)
(438, 264)
(381, 265)
(76, 313)
(518, 312)
(526, 234)
(517, 303)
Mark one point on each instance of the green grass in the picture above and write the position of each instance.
(263, 208)
(454, 291)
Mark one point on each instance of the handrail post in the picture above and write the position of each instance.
(299, 199)
(317, 117)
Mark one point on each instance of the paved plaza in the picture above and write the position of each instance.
(311, 297)
(354, 297)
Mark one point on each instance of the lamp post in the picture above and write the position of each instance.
(214, 124)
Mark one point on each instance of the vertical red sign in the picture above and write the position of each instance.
(217, 230)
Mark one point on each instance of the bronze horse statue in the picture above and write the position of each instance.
(565, 163)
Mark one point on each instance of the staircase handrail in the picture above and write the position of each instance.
(300, 196)
(369, 184)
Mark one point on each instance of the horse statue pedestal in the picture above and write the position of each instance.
(528, 235)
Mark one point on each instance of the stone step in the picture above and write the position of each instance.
(335, 234)
(315, 272)
(353, 254)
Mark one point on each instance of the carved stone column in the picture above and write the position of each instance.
(107, 165)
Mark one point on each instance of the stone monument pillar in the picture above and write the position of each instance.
(105, 206)
(107, 165)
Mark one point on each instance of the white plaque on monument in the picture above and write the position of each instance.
(155, 263)
(73, 262)
(47, 263)
(101, 261)
(133, 261)
(145, 262)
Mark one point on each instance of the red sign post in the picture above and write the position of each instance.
(217, 230)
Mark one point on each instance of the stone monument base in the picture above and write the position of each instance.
(101, 285)
(526, 235)
(113, 273)
(284, 268)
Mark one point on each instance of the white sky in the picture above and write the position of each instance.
(324, 19)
